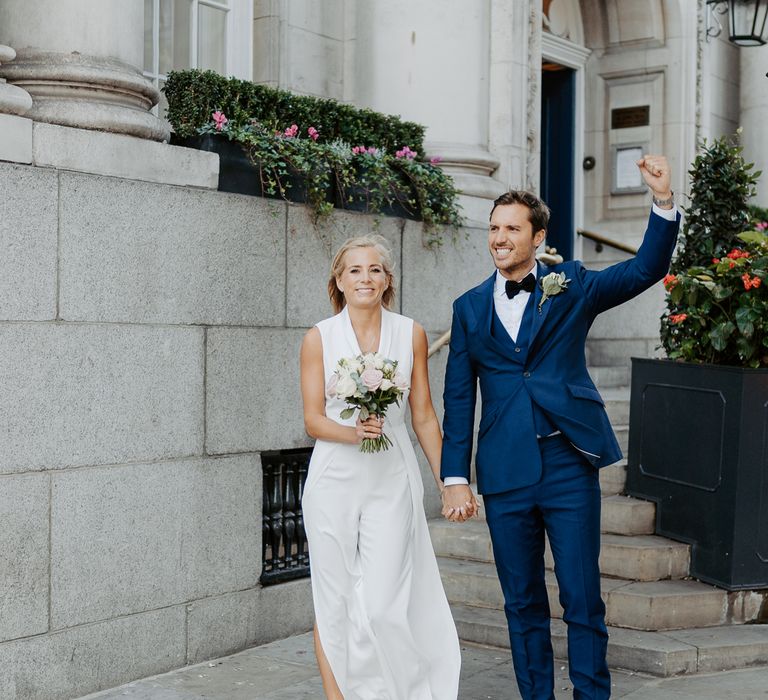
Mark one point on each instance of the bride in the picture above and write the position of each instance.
(383, 627)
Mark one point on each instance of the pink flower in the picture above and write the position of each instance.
(313, 133)
(291, 131)
(405, 152)
(330, 388)
(372, 378)
(435, 160)
(762, 226)
(219, 119)
(358, 149)
(400, 381)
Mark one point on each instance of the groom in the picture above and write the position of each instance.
(544, 431)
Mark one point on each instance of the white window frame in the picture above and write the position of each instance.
(238, 41)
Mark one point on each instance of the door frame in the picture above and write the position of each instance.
(570, 55)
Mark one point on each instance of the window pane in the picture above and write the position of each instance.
(175, 29)
(148, 4)
(211, 39)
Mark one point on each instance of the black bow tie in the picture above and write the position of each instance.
(527, 284)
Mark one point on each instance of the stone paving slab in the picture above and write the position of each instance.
(286, 670)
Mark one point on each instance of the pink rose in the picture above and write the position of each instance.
(400, 381)
(372, 378)
(330, 388)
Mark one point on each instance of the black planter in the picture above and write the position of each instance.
(698, 447)
(358, 198)
(236, 171)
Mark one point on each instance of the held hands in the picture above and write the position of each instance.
(655, 172)
(368, 429)
(459, 503)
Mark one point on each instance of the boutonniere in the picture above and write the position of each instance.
(551, 285)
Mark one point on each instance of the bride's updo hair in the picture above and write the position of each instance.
(379, 243)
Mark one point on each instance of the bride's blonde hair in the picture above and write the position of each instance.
(379, 243)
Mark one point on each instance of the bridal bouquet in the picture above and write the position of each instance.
(370, 383)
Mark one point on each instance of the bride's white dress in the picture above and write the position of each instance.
(380, 607)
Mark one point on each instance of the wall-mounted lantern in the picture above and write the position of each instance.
(746, 20)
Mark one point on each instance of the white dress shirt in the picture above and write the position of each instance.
(510, 311)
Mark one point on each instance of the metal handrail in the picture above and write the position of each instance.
(603, 241)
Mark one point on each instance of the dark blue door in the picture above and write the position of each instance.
(558, 95)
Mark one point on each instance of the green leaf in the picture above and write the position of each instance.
(755, 237)
(347, 413)
(364, 413)
(720, 333)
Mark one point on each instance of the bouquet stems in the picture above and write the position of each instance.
(378, 444)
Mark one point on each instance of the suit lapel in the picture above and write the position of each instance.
(539, 317)
(482, 299)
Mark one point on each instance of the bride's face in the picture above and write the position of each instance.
(364, 279)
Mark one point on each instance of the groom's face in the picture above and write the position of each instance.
(512, 240)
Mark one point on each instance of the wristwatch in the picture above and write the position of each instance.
(664, 202)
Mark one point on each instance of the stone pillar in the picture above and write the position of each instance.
(429, 62)
(754, 107)
(80, 60)
(15, 130)
(13, 100)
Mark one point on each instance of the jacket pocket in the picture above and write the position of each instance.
(585, 392)
(487, 420)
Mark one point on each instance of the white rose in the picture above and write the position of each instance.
(356, 366)
(346, 387)
(378, 361)
(388, 368)
(369, 361)
(385, 384)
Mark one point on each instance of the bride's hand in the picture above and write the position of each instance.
(368, 429)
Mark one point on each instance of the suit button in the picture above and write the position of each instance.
(527, 375)
(517, 349)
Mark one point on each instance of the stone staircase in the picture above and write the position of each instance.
(660, 621)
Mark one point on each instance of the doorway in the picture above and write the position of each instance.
(558, 147)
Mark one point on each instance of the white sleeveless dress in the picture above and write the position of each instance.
(381, 611)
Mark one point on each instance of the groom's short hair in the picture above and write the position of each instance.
(538, 212)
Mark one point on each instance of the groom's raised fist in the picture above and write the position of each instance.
(655, 172)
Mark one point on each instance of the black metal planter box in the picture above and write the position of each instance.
(698, 447)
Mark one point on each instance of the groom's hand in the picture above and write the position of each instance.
(655, 172)
(459, 503)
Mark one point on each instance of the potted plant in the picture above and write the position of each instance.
(698, 442)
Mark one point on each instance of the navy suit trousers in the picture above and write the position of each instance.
(564, 503)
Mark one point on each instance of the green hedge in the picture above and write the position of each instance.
(193, 95)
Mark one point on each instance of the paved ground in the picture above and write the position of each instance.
(286, 670)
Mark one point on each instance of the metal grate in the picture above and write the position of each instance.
(285, 554)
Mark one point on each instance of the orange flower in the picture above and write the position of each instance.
(750, 283)
(716, 261)
(669, 282)
(735, 254)
(677, 318)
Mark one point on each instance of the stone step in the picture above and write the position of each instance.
(655, 605)
(607, 377)
(613, 478)
(672, 653)
(622, 436)
(622, 515)
(639, 557)
(616, 404)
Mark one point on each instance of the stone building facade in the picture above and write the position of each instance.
(149, 325)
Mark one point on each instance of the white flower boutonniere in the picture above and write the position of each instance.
(552, 284)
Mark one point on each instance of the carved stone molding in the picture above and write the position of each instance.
(13, 100)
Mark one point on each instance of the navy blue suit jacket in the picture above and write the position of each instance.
(552, 372)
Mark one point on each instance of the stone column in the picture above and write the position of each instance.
(429, 62)
(80, 60)
(15, 130)
(754, 107)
